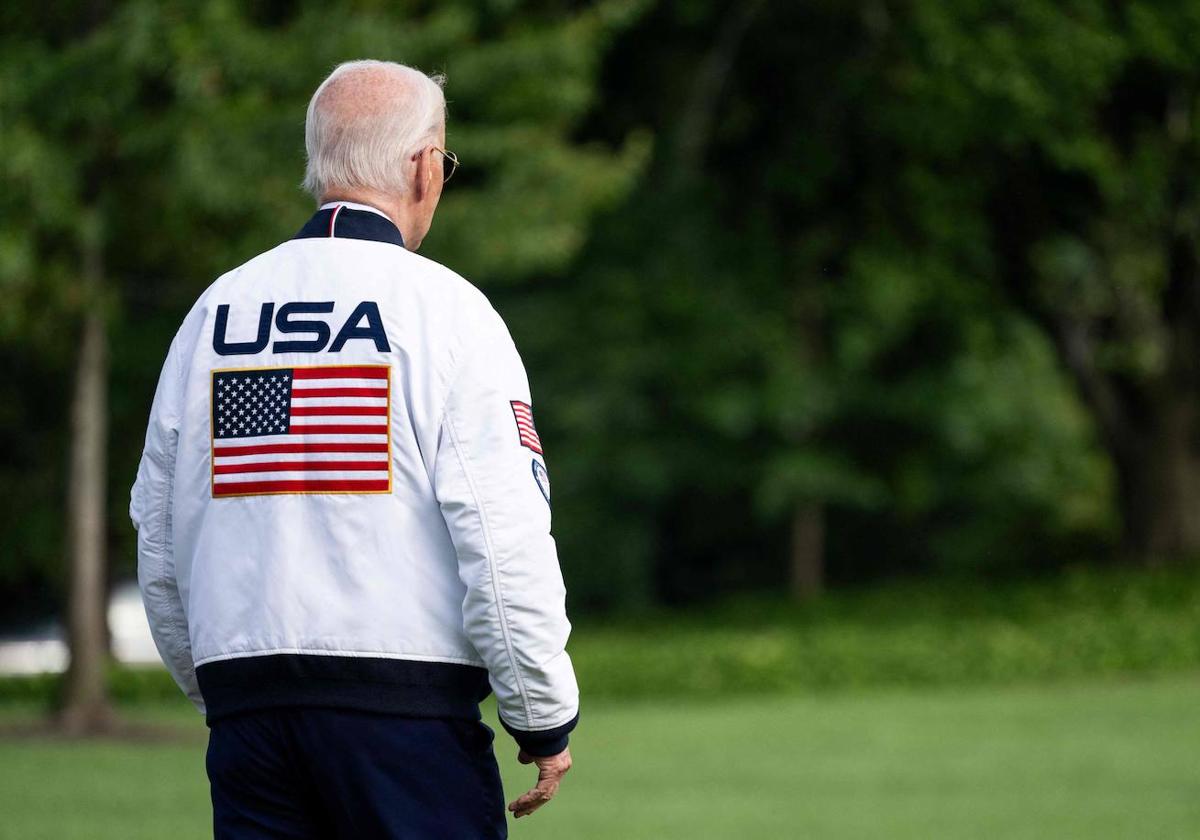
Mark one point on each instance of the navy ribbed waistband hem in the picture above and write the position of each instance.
(372, 684)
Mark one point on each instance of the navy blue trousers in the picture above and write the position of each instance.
(318, 774)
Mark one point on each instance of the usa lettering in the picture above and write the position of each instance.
(364, 324)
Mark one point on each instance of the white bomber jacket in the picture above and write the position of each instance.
(343, 500)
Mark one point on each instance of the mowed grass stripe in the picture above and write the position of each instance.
(1086, 760)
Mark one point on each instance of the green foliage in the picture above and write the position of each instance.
(1079, 624)
(809, 312)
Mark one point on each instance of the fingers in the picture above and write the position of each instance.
(551, 769)
(527, 803)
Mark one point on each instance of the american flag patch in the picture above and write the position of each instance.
(528, 434)
(321, 429)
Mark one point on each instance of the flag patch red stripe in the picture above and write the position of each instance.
(288, 448)
(299, 466)
(244, 488)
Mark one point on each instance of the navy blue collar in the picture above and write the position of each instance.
(347, 223)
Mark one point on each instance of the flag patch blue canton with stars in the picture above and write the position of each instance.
(320, 429)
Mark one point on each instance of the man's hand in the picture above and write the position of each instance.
(551, 769)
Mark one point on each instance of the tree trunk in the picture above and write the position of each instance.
(1159, 484)
(1153, 438)
(86, 706)
(807, 567)
(696, 119)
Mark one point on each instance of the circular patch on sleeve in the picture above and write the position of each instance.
(542, 478)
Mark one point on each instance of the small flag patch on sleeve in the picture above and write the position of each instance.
(525, 430)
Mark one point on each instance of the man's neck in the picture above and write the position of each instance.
(391, 208)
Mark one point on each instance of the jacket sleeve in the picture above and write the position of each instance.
(494, 494)
(150, 508)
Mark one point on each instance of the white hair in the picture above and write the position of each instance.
(369, 147)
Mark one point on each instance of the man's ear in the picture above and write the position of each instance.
(421, 175)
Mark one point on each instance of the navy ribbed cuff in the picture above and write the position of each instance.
(543, 742)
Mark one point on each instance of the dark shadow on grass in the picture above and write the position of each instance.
(117, 730)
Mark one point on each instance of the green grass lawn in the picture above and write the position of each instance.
(1088, 759)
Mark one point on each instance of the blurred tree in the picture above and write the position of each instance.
(77, 148)
(1074, 126)
(789, 355)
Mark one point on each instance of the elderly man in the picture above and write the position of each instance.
(343, 510)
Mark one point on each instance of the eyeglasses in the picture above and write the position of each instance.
(452, 159)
